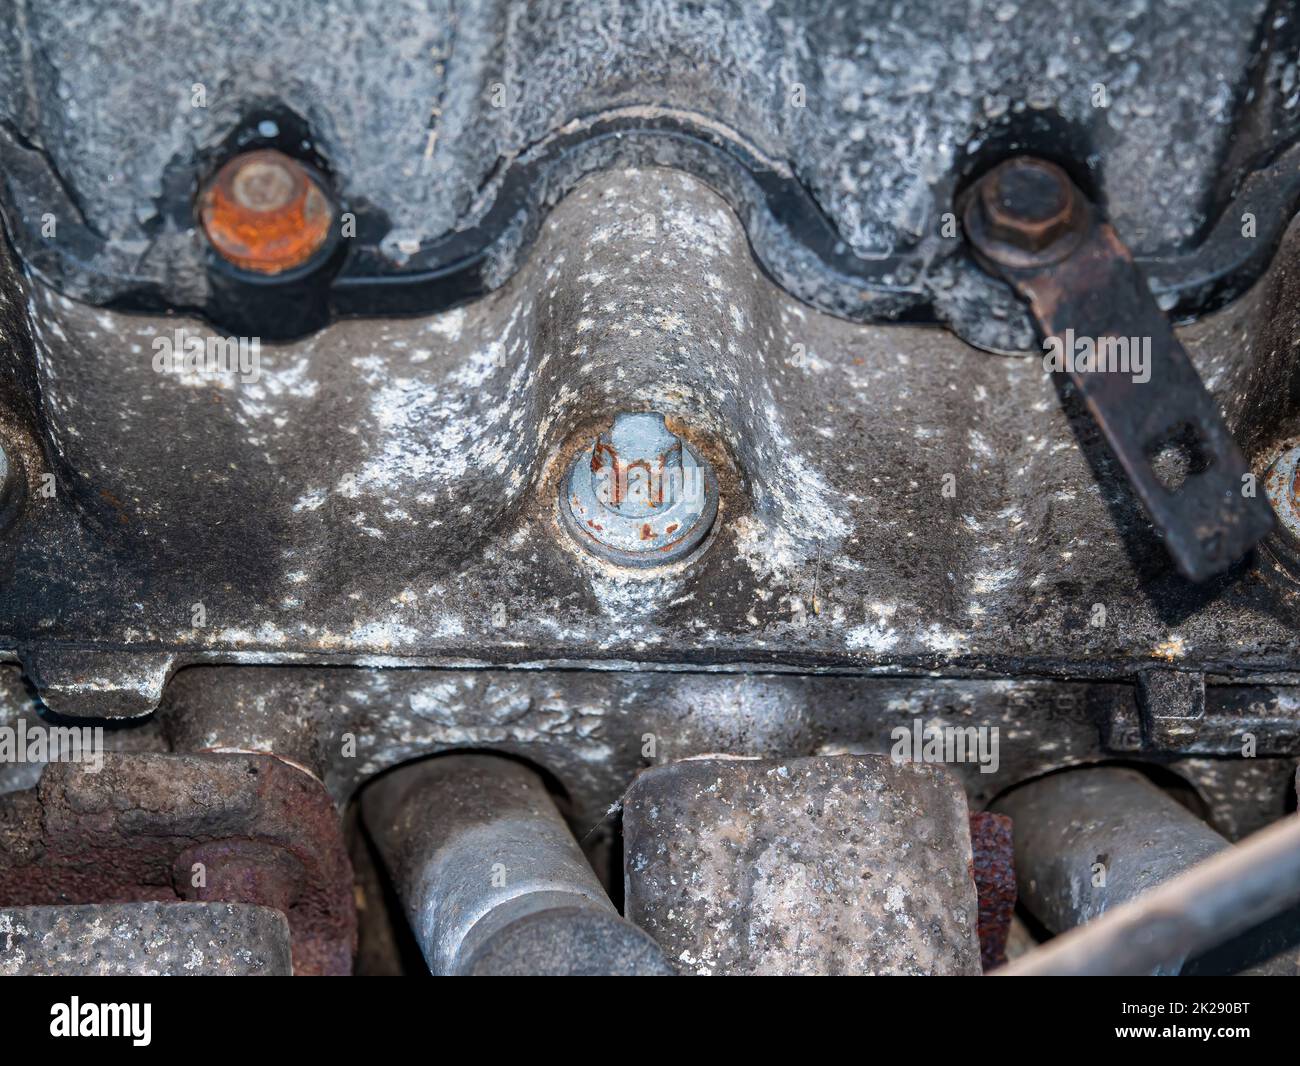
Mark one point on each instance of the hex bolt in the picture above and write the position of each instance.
(1025, 212)
(491, 878)
(639, 496)
(265, 212)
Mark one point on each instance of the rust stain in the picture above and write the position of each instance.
(116, 504)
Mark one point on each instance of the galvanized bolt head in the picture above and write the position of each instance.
(639, 496)
(1282, 487)
(637, 465)
(1025, 209)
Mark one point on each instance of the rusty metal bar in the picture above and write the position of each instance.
(1030, 224)
(1106, 848)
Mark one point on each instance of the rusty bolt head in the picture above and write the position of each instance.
(636, 465)
(1282, 487)
(639, 496)
(1027, 209)
(265, 212)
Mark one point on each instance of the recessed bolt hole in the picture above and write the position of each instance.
(1176, 455)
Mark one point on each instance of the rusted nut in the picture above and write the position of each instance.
(1025, 212)
(265, 212)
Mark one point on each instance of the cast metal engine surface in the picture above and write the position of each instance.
(601, 428)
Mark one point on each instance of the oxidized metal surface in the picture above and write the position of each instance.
(1282, 488)
(590, 728)
(1089, 840)
(490, 876)
(840, 132)
(640, 497)
(995, 883)
(1082, 286)
(265, 212)
(405, 476)
(120, 834)
(839, 865)
(144, 939)
(705, 236)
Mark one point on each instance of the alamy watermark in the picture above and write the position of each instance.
(182, 352)
(44, 744)
(944, 744)
(131, 1020)
(1072, 354)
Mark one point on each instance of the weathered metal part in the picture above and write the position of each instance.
(995, 883)
(639, 496)
(836, 865)
(807, 117)
(9, 483)
(1282, 488)
(360, 550)
(144, 826)
(1172, 705)
(589, 728)
(491, 878)
(1089, 840)
(1227, 893)
(1026, 213)
(265, 212)
(144, 939)
(1081, 282)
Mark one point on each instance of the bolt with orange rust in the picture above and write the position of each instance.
(265, 212)
(1025, 212)
(1282, 487)
(639, 495)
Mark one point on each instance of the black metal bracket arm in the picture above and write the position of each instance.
(1030, 225)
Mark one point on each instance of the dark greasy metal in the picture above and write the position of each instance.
(1172, 705)
(995, 883)
(144, 939)
(588, 727)
(1089, 840)
(205, 827)
(1027, 221)
(1027, 213)
(843, 199)
(491, 878)
(847, 864)
(394, 545)
(1225, 894)
(1282, 489)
